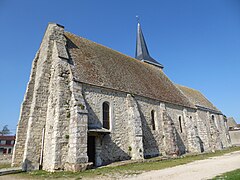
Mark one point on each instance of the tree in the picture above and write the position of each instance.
(5, 130)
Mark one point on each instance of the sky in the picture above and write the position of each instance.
(197, 41)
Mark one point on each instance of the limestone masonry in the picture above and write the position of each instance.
(86, 105)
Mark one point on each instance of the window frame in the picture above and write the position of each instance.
(153, 119)
(180, 124)
(108, 115)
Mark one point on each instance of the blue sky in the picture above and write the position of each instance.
(198, 42)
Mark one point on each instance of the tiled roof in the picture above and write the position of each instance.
(7, 137)
(231, 122)
(101, 66)
(197, 98)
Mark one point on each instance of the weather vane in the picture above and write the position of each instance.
(138, 19)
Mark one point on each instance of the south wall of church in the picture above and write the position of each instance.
(117, 146)
(192, 130)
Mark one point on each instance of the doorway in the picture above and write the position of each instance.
(91, 149)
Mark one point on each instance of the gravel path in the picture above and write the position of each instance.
(202, 169)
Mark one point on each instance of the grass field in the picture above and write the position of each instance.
(125, 170)
(232, 175)
(2, 166)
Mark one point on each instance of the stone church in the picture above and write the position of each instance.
(86, 104)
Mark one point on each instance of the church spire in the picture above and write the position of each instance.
(142, 50)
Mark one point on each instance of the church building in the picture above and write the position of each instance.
(88, 105)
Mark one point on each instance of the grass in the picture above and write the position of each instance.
(2, 166)
(128, 169)
(232, 175)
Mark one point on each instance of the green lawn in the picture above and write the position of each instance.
(2, 166)
(232, 175)
(125, 170)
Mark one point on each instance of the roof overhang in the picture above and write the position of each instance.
(207, 109)
(155, 64)
(98, 131)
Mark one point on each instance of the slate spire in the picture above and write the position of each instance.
(142, 50)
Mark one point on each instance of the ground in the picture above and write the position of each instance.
(189, 167)
(202, 169)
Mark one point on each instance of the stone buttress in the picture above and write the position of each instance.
(24, 116)
(77, 152)
(52, 130)
(169, 133)
(193, 141)
(33, 117)
(135, 129)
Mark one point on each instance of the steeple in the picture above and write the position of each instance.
(142, 50)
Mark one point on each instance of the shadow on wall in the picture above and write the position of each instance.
(70, 45)
(27, 165)
(180, 143)
(200, 143)
(93, 120)
(150, 145)
(110, 150)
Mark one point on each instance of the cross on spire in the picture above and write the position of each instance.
(142, 50)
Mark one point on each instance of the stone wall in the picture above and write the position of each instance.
(43, 100)
(58, 113)
(235, 137)
(223, 131)
(114, 146)
(5, 158)
(165, 138)
(203, 130)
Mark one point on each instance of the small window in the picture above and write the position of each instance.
(106, 115)
(214, 121)
(153, 119)
(213, 118)
(4, 151)
(8, 142)
(180, 123)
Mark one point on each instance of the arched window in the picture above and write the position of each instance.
(106, 115)
(180, 123)
(213, 118)
(153, 119)
(214, 121)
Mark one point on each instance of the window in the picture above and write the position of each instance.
(213, 118)
(8, 142)
(214, 121)
(106, 115)
(180, 123)
(4, 151)
(153, 119)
